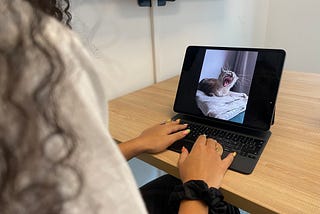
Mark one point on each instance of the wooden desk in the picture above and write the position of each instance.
(287, 176)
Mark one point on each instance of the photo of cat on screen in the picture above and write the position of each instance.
(224, 84)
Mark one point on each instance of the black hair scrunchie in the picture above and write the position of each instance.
(198, 190)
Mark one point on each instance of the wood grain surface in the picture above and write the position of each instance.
(287, 176)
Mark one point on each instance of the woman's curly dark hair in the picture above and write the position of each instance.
(30, 178)
(56, 8)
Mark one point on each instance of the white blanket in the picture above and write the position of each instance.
(225, 107)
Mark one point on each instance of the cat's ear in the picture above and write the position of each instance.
(225, 68)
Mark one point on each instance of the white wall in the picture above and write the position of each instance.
(205, 22)
(295, 26)
(118, 35)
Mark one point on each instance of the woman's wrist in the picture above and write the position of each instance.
(193, 206)
(198, 190)
(132, 148)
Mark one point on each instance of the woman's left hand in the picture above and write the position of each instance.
(154, 139)
(159, 137)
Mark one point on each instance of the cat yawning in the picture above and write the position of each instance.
(219, 87)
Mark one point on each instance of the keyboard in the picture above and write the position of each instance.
(231, 142)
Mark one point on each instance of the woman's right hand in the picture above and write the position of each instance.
(204, 162)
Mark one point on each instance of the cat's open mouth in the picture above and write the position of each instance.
(227, 80)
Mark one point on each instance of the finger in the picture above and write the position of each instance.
(211, 143)
(177, 121)
(227, 161)
(201, 141)
(178, 135)
(214, 146)
(220, 149)
(172, 122)
(175, 127)
(165, 122)
(184, 154)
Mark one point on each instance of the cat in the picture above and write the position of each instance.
(219, 87)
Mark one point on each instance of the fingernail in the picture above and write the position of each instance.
(169, 120)
(183, 149)
(234, 154)
(178, 120)
(187, 131)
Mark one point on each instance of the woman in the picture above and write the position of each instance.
(56, 154)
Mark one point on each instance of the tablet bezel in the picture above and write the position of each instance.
(265, 82)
